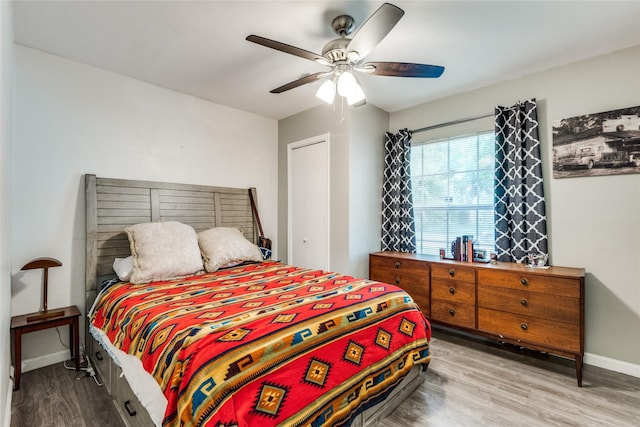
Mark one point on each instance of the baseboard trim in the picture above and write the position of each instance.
(46, 360)
(612, 364)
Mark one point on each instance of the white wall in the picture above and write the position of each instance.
(6, 98)
(72, 119)
(366, 170)
(593, 222)
(310, 123)
(357, 138)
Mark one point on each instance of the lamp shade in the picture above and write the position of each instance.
(327, 91)
(346, 84)
(356, 96)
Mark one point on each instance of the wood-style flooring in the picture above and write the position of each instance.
(57, 397)
(470, 382)
(474, 382)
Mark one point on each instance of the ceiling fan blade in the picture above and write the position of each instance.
(292, 50)
(401, 69)
(300, 82)
(375, 29)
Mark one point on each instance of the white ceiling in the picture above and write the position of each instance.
(199, 48)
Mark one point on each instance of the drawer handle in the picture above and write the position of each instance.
(130, 411)
(524, 302)
(524, 282)
(524, 326)
(452, 272)
(452, 312)
(397, 280)
(99, 356)
(397, 264)
(452, 290)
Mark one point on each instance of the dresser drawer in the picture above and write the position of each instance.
(416, 286)
(455, 272)
(452, 290)
(401, 278)
(411, 266)
(544, 306)
(534, 282)
(531, 329)
(454, 313)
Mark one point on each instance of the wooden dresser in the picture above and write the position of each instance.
(535, 308)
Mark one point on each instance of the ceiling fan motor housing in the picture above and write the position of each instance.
(336, 50)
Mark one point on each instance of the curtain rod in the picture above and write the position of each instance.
(453, 122)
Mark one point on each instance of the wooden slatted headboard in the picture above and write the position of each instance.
(113, 204)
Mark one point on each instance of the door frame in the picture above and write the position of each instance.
(318, 139)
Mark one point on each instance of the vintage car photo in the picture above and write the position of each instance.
(597, 144)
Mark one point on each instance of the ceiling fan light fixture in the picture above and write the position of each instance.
(356, 97)
(327, 91)
(346, 84)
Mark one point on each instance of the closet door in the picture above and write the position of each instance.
(308, 172)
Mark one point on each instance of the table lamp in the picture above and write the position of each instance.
(44, 263)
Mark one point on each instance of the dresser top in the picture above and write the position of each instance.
(503, 266)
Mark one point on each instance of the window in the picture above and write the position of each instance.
(453, 193)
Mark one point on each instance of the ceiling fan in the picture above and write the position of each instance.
(345, 55)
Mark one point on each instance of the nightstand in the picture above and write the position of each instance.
(21, 325)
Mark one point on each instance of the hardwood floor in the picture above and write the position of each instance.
(471, 382)
(53, 397)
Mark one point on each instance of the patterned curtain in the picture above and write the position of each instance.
(398, 226)
(521, 224)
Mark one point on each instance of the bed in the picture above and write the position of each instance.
(257, 343)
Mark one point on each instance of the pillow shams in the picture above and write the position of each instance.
(222, 246)
(163, 251)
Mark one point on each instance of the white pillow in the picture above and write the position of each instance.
(222, 246)
(123, 268)
(163, 251)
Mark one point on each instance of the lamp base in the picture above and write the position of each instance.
(43, 315)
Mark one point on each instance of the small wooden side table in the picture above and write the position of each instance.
(20, 325)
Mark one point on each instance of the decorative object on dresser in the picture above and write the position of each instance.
(536, 308)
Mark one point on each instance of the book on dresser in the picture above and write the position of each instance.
(536, 308)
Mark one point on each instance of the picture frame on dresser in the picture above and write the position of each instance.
(534, 308)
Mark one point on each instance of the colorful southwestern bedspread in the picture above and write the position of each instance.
(267, 344)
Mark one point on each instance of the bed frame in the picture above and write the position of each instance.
(113, 204)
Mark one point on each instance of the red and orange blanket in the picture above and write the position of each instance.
(267, 344)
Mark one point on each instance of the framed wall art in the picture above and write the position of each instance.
(597, 144)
